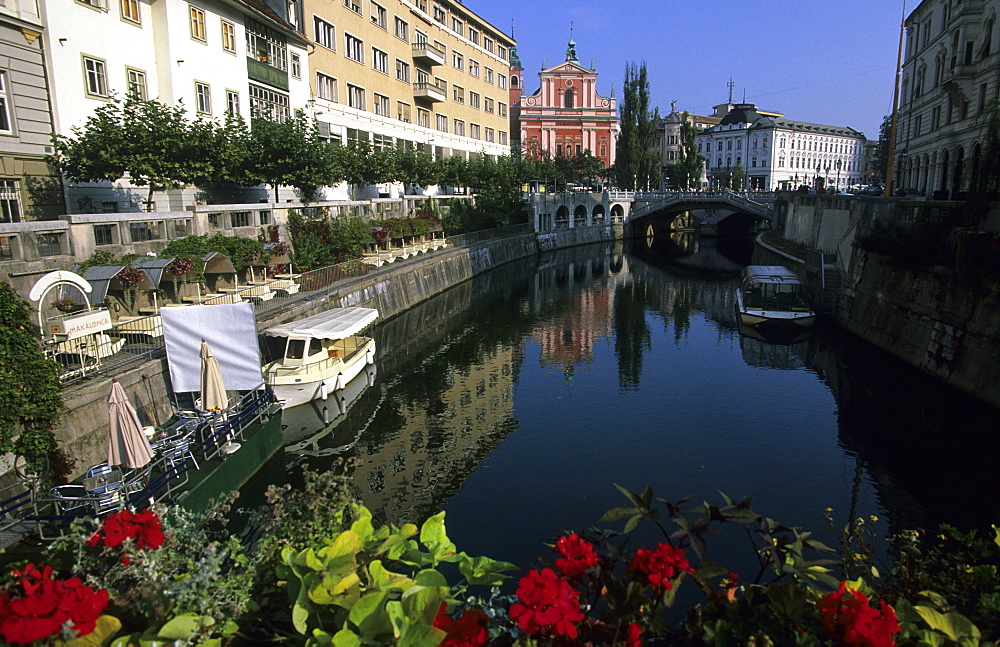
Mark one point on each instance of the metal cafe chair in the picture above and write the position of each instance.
(177, 449)
(70, 498)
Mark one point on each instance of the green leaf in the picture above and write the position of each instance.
(382, 578)
(346, 638)
(369, 614)
(632, 523)
(787, 599)
(421, 604)
(184, 626)
(954, 625)
(104, 629)
(421, 635)
(631, 496)
(709, 569)
(483, 571)
(617, 514)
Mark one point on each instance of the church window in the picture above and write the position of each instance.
(569, 99)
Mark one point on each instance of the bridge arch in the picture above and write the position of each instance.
(617, 213)
(580, 215)
(598, 213)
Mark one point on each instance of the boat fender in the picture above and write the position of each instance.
(340, 382)
(370, 357)
(322, 390)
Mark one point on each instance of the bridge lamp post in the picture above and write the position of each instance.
(819, 169)
(839, 163)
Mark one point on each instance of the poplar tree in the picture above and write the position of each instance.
(687, 171)
(637, 165)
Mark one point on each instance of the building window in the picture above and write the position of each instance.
(296, 64)
(353, 6)
(501, 81)
(423, 118)
(488, 44)
(402, 71)
(95, 76)
(266, 45)
(203, 96)
(502, 52)
(355, 48)
(488, 105)
(419, 37)
(457, 61)
(213, 220)
(457, 26)
(474, 35)
(474, 100)
(458, 94)
(503, 138)
(6, 125)
(228, 36)
(459, 127)
(474, 68)
(268, 104)
(439, 13)
(181, 227)
(488, 77)
(136, 83)
(49, 244)
(130, 10)
(263, 217)
(568, 99)
(293, 14)
(10, 201)
(441, 121)
(239, 218)
(7, 248)
(502, 108)
(402, 29)
(490, 135)
(324, 33)
(381, 106)
(474, 131)
(233, 103)
(104, 234)
(380, 61)
(197, 23)
(379, 16)
(355, 97)
(326, 87)
(403, 111)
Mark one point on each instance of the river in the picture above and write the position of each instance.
(516, 401)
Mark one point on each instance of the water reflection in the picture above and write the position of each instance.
(517, 400)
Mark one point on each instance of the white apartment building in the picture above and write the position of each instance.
(951, 78)
(210, 56)
(778, 153)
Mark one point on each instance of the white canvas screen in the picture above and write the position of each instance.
(231, 332)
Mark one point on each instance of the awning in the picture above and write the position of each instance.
(153, 268)
(99, 277)
(332, 324)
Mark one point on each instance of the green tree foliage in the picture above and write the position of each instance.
(241, 251)
(738, 178)
(985, 180)
(154, 144)
(30, 401)
(688, 169)
(582, 168)
(288, 153)
(880, 158)
(637, 165)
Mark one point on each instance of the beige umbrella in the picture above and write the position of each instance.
(127, 445)
(213, 390)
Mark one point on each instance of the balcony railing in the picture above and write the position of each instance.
(429, 91)
(426, 52)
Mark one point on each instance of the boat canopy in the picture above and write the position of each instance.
(332, 324)
(770, 274)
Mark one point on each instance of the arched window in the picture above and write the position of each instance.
(568, 103)
(987, 46)
(513, 81)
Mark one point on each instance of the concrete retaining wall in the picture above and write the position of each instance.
(928, 319)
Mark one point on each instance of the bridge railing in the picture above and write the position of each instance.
(655, 200)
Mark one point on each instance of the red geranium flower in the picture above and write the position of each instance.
(547, 605)
(660, 565)
(848, 615)
(48, 606)
(634, 635)
(468, 631)
(578, 555)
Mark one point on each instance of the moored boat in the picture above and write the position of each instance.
(321, 354)
(773, 298)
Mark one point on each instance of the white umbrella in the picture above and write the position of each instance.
(213, 390)
(127, 444)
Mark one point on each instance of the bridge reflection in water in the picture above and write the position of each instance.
(517, 400)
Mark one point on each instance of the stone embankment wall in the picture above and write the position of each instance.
(83, 429)
(928, 319)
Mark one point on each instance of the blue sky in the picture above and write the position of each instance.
(830, 62)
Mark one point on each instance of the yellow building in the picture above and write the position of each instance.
(430, 74)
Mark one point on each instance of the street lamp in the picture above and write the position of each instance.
(819, 169)
(839, 163)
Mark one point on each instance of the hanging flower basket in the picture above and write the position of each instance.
(130, 276)
(281, 248)
(67, 305)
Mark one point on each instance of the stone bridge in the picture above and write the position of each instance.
(640, 210)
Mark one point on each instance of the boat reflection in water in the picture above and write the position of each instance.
(768, 350)
(318, 428)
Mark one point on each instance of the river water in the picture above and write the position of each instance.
(516, 401)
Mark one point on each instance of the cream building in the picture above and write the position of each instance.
(430, 75)
(951, 78)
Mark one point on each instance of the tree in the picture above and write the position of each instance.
(880, 158)
(688, 169)
(738, 178)
(287, 153)
(155, 145)
(636, 165)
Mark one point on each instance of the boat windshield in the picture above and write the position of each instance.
(295, 348)
(777, 296)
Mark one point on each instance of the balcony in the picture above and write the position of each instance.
(427, 53)
(429, 91)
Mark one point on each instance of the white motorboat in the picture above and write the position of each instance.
(771, 298)
(321, 354)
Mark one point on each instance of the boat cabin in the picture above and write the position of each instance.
(774, 288)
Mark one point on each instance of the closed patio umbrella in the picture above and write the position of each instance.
(213, 390)
(127, 444)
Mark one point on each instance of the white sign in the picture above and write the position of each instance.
(80, 324)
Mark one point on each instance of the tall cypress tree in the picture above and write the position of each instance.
(690, 163)
(636, 163)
